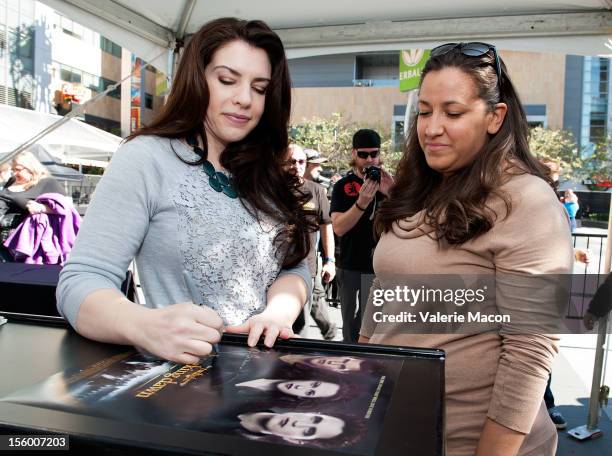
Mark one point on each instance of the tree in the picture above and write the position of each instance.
(558, 147)
(597, 165)
(593, 165)
(333, 136)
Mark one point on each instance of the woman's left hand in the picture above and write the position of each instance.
(36, 208)
(263, 323)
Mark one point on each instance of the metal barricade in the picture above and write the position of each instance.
(586, 277)
(585, 281)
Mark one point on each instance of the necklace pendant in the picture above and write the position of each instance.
(218, 181)
(223, 179)
(230, 192)
(208, 168)
(214, 183)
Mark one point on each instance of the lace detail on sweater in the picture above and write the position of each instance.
(230, 255)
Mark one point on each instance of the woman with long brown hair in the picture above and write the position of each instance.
(472, 202)
(200, 199)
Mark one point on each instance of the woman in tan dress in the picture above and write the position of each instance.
(470, 199)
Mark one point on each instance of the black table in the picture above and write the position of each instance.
(35, 285)
(30, 353)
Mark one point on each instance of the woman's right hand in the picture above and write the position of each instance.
(36, 208)
(182, 333)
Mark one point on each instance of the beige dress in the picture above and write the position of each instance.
(498, 374)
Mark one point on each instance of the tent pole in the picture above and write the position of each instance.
(179, 42)
(590, 430)
(185, 17)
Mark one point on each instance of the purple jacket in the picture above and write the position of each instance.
(46, 238)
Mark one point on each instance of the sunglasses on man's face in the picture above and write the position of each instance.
(472, 49)
(363, 154)
(293, 161)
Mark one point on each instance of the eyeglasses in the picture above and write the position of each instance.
(472, 49)
(293, 161)
(363, 154)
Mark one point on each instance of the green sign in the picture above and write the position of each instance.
(412, 62)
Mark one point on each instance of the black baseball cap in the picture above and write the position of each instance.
(366, 139)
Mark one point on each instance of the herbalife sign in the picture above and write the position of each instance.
(412, 62)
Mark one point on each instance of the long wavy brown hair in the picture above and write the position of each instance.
(458, 210)
(256, 162)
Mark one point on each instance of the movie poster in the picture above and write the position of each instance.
(306, 398)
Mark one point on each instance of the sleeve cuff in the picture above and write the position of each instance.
(301, 270)
(73, 288)
(515, 401)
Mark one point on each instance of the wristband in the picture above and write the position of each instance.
(359, 207)
(329, 260)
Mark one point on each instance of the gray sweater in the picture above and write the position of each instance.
(152, 207)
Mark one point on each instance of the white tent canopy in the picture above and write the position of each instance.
(316, 27)
(74, 142)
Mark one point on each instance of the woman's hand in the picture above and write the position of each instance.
(182, 332)
(286, 297)
(582, 256)
(264, 323)
(36, 208)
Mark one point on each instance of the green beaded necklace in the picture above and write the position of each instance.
(216, 179)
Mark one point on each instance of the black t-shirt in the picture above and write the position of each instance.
(17, 201)
(318, 203)
(356, 245)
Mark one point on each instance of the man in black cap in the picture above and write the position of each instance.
(354, 201)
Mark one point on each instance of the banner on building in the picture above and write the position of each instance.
(161, 84)
(136, 82)
(75, 93)
(412, 62)
(134, 118)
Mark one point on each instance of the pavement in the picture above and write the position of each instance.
(571, 384)
(572, 375)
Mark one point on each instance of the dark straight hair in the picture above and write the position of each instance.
(459, 212)
(256, 161)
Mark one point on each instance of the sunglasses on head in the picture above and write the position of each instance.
(472, 49)
(363, 154)
(293, 161)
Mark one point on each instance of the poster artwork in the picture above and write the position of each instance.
(308, 399)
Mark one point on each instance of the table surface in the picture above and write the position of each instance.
(30, 353)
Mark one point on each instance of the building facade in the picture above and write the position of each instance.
(46, 59)
(557, 91)
(45, 56)
(588, 115)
